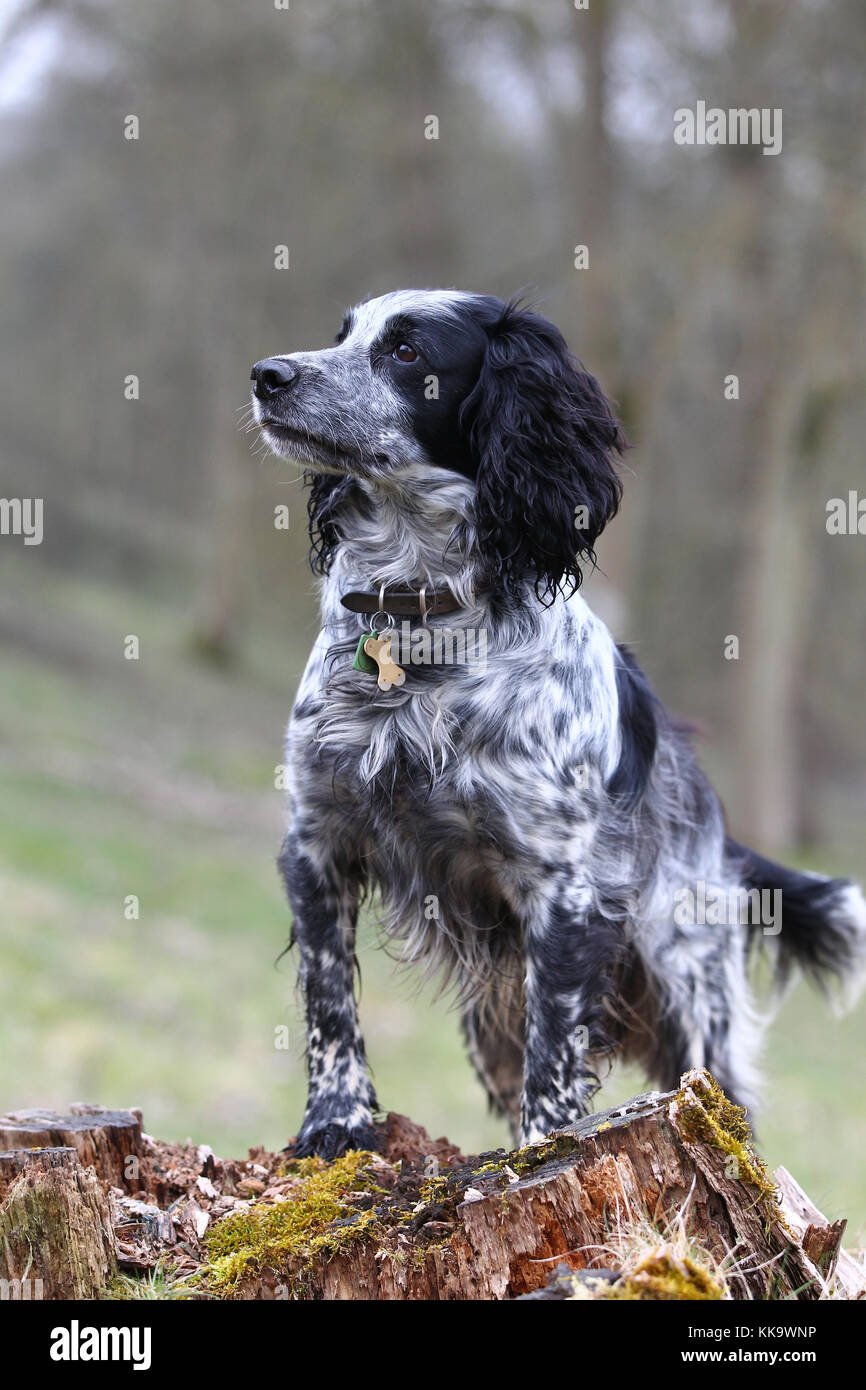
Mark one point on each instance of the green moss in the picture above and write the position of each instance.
(433, 1190)
(664, 1276)
(532, 1156)
(705, 1115)
(308, 1224)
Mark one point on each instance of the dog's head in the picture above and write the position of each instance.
(463, 383)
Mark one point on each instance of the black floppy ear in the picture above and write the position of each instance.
(328, 492)
(543, 435)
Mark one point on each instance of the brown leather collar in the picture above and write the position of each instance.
(401, 602)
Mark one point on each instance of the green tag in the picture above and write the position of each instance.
(362, 661)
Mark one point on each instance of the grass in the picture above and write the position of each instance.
(155, 779)
(157, 1286)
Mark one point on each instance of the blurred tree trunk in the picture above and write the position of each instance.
(594, 197)
(219, 139)
(589, 170)
(780, 571)
(772, 630)
(410, 69)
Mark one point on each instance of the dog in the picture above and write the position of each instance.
(535, 825)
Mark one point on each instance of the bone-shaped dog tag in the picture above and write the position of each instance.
(379, 648)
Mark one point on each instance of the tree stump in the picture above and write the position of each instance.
(56, 1237)
(676, 1168)
(661, 1198)
(108, 1140)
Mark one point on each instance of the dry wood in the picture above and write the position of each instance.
(12, 1164)
(143, 1233)
(820, 1238)
(56, 1238)
(108, 1140)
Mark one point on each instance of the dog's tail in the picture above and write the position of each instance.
(822, 925)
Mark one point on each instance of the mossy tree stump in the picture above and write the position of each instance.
(56, 1229)
(499, 1228)
(661, 1198)
(56, 1236)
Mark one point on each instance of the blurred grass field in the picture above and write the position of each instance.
(155, 778)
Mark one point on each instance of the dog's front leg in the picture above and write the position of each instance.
(341, 1099)
(570, 958)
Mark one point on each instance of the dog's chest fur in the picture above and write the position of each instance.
(453, 791)
(457, 832)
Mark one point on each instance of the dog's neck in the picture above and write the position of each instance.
(413, 528)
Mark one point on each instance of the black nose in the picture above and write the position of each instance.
(273, 374)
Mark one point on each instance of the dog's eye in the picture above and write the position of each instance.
(404, 353)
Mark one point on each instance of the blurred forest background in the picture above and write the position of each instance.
(305, 126)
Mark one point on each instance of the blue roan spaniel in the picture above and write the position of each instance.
(471, 745)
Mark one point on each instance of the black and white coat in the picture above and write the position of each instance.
(531, 825)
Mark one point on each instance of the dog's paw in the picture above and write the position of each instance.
(331, 1140)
